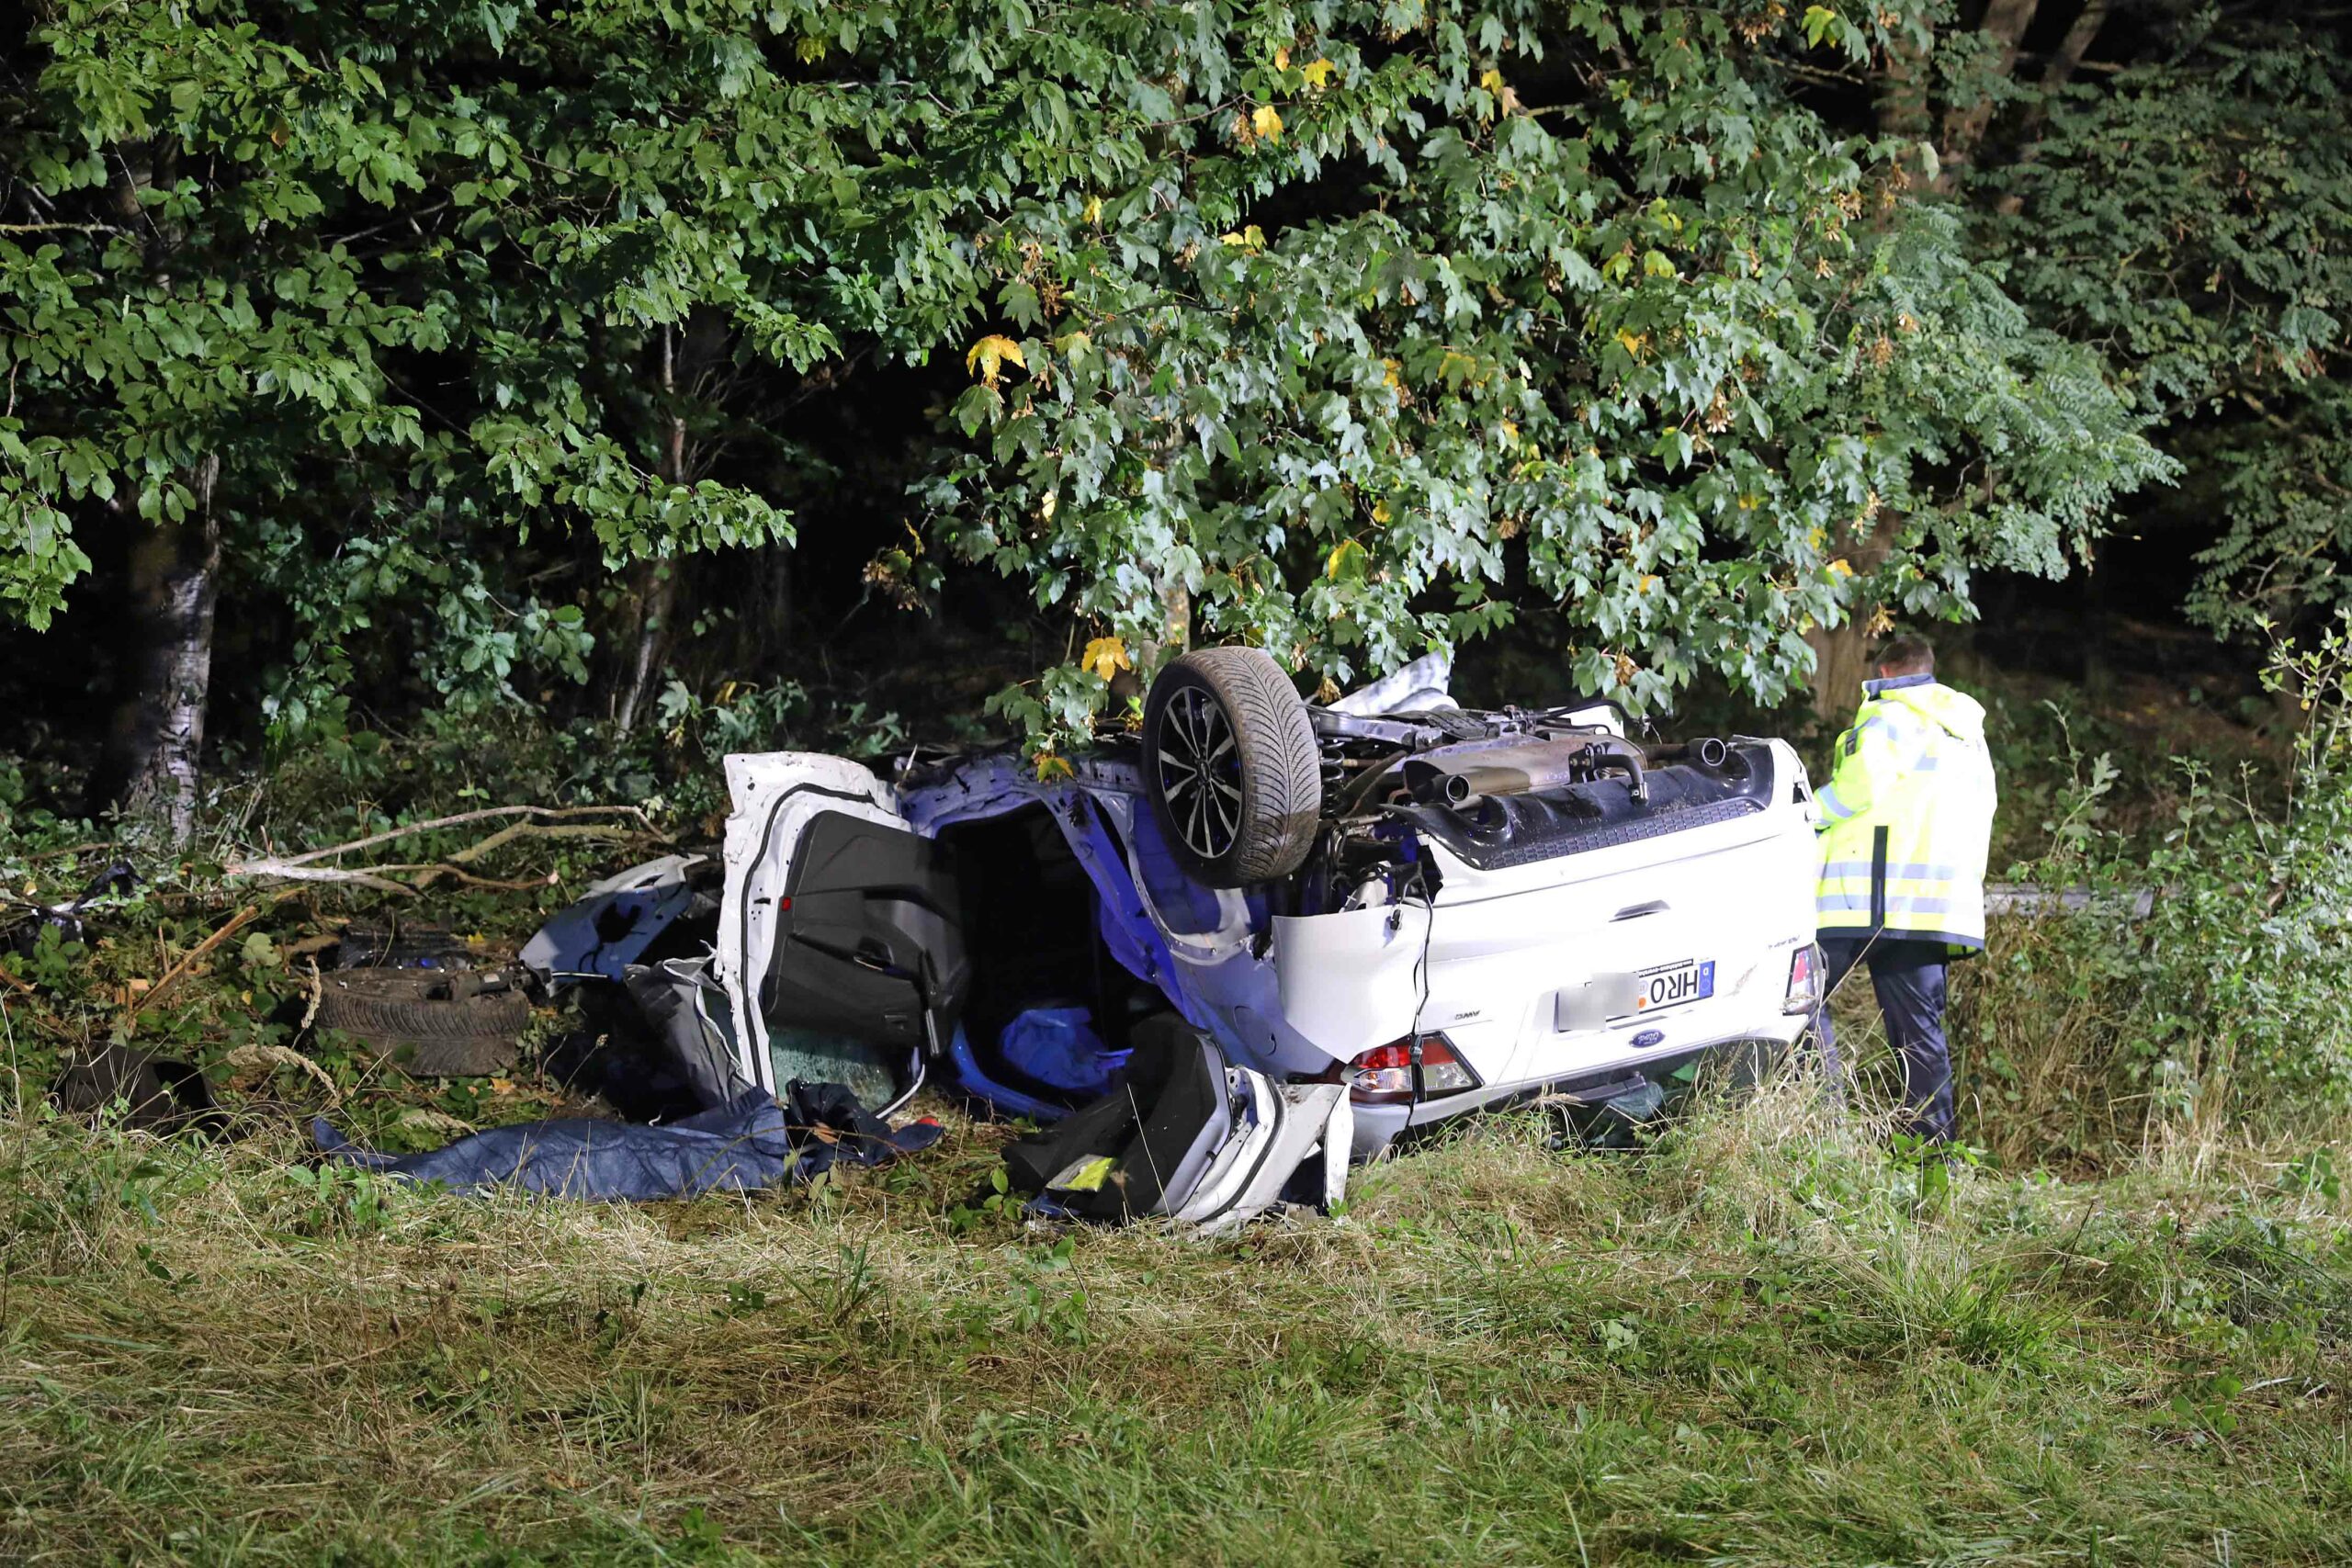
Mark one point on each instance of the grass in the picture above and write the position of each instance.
(1755, 1342)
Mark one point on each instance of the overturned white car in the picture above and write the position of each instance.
(1345, 921)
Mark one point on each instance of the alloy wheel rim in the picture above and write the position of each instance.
(1199, 773)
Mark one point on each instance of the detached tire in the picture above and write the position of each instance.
(1230, 762)
(436, 1023)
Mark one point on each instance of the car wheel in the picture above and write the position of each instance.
(1230, 762)
(432, 1023)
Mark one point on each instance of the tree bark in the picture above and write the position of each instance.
(2072, 51)
(1964, 125)
(771, 608)
(657, 592)
(1841, 654)
(1902, 95)
(155, 750)
(657, 599)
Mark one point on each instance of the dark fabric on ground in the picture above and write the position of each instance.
(157, 1095)
(1909, 977)
(752, 1141)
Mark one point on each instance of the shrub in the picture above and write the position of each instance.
(2098, 1029)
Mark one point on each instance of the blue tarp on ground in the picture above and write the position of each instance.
(749, 1142)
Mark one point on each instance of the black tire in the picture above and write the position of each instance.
(1230, 762)
(434, 1024)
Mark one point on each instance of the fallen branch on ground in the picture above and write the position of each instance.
(188, 962)
(306, 866)
(486, 813)
(286, 870)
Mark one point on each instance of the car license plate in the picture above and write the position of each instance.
(1673, 985)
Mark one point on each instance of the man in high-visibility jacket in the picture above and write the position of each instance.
(1906, 823)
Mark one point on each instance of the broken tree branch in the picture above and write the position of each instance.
(289, 871)
(171, 977)
(488, 813)
(513, 831)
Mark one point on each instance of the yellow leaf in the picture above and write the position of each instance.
(1634, 342)
(1281, 59)
(1266, 122)
(1389, 370)
(810, 50)
(1052, 767)
(1317, 73)
(1816, 538)
(1049, 505)
(1380, 512)
(1093, 213)
(1342, 551)
(1105, 656)
(1510, 434)
(988, 355)
(1492, 81)
(1839, 568)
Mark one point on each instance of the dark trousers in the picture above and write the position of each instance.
(1909, 979)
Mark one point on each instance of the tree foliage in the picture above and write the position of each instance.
(2190, 216)
(1375, 348)
(1346, 328)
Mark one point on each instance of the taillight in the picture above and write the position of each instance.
(1803, 993)
(1383, 1075)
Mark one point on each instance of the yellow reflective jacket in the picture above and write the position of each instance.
(1909, 817)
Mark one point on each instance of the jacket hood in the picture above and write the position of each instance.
(1956, 711)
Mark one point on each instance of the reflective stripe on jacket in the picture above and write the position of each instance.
(1909, 817)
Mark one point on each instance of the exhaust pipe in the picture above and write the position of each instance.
(1456, 776)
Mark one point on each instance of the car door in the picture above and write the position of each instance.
(837, 918)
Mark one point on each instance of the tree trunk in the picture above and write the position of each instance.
(657, 591)
(1175, 626)
(155, 750)
(2005, 23)
(657, 599)
(2061, 70)
(1841, 654)
(1901, 94)
(771, 608)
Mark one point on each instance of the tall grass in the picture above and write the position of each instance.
(2224, 1013)
(1759, 1340)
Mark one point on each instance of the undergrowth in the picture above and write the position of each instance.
(2196, 990)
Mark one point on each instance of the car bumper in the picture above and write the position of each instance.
(1378, 1127)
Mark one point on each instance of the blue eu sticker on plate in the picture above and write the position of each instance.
(1673, 985)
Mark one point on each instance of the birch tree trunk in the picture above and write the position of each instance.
(157, 743)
